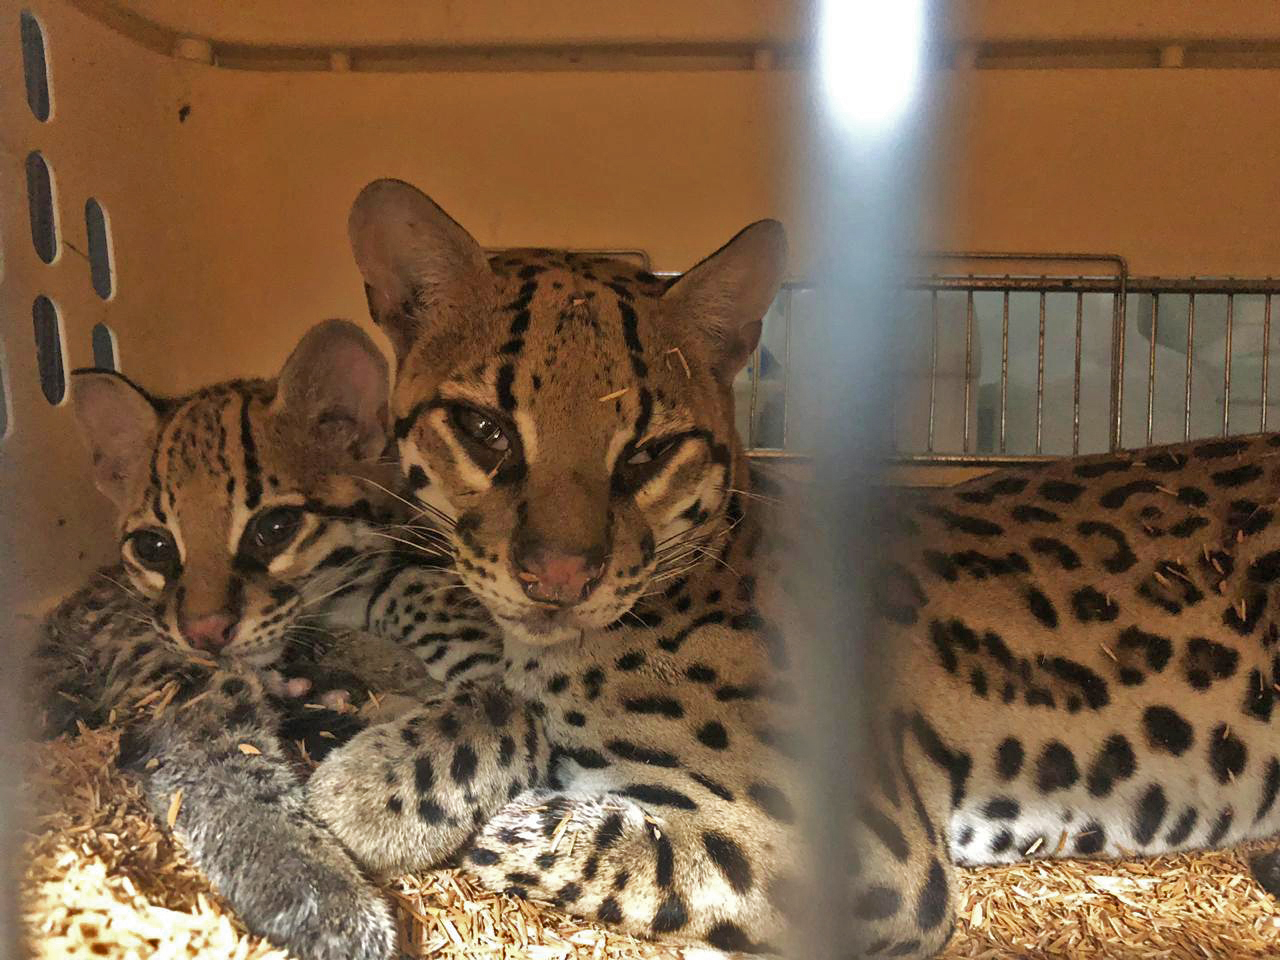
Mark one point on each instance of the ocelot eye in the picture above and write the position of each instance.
(481, 428)
(272, 530)
(154, 549)
(646, 461)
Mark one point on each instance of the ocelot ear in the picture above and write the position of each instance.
(118, 423)
(418, 264)
(724, 298)
(336, 383)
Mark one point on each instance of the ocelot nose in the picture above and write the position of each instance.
(211, 632)
(559, 577)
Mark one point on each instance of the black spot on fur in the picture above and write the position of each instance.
(772, 801)
(729, 937)
(956, 764)
(1221, 826)
(638, 754)
(1205, 660)
(1009, 757)
(671, 916)
(1001, 808)
(1041, 608)
(1100, 468)
(463, 767)
(1149, 814)
(1117, 496)
(609, 911)
(1227, 754)
(1056, 768)
(1113, 763)
(729, 860)
(1092, 687)
(1067, 558)
(886, 831)
(1026, 513)
(1091, 839)
(714, 735)
(877, 903)
(1089, 605)
(1182, 827)
(1060, 491)
(932, 905)
(1167, 731)
(1259, 697)
(1270, 787)
(1123, 558)
(1237, 476)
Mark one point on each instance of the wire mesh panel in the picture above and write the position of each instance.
(993, 368)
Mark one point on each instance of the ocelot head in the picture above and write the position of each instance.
(246, 508)
(568, 418)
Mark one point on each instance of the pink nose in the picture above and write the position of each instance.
(560, 578)
(211, 632)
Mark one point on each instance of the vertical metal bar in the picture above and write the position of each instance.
(968, 367)
(1151, 364)
(1191, 336)
(1004, 371)
(933, 367)
(1119, 315)
(755, 390)
(1266, 359)
(1226, 367)
(1075, 397)
(1040, 379)
(786, 367)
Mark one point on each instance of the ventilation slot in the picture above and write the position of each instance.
(35, 66)
(101, 271)
(105, 355)
(50, 361)
(6, 423)
(44, 221)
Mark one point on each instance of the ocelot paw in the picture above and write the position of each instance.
(314, 902)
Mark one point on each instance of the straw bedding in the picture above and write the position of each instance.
(103, 879)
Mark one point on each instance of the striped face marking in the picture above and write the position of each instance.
(559, 431)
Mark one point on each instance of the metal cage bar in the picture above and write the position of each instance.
(986, 440)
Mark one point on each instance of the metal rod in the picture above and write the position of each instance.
(1266, 358)
(1151, 365)
(1191, 334)
(1119, 315)
(786, 367)
(968, 368)
(1040, 379)
(1004, 371)
(755, 390)
(933, 368)
(1226, 367)
(1075, 396)
(1084, 284)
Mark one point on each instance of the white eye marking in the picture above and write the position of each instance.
(528, 430)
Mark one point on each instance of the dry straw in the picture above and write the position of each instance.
(104, 880)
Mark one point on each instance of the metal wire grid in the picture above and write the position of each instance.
(1119, 285)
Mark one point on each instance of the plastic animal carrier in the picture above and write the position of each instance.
(177, 181)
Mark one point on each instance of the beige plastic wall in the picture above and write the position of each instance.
(227, 189)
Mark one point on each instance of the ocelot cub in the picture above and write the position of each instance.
(1075, 659)
(256, 520)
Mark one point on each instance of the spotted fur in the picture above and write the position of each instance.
(571, 420)
(1076, 659)
(208, 715)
